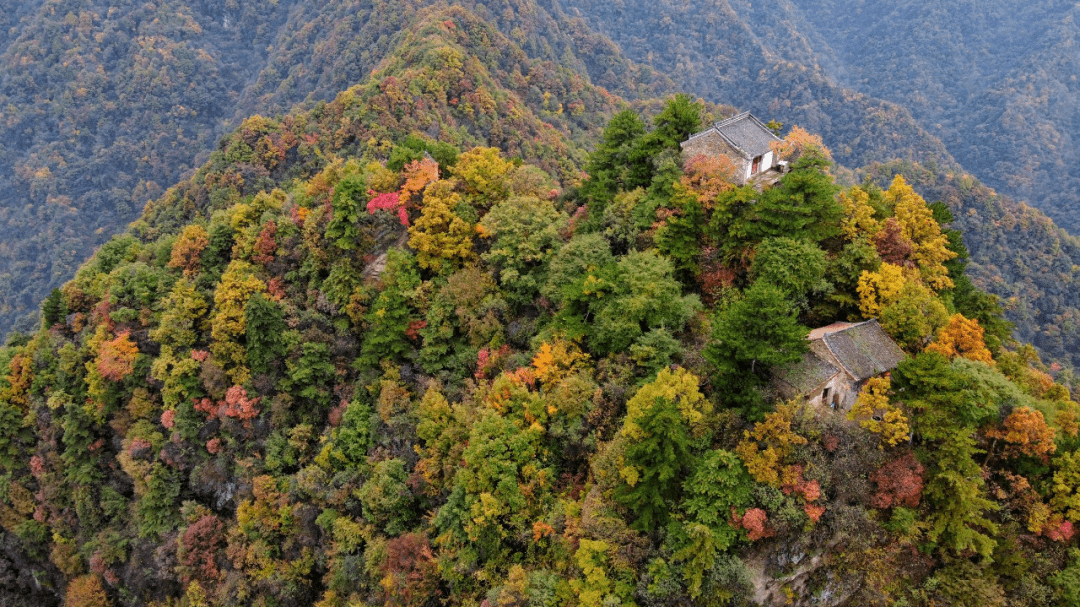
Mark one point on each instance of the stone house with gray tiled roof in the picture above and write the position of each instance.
(744, 139)
(841, 358)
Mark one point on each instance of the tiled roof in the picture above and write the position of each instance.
(745, 133)
(864, 350)
(823, 331)
(806, 375)
(861, 350)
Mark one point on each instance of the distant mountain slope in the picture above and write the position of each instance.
(996, 81)
(755, 55)
(1017, 253)
(102, 105)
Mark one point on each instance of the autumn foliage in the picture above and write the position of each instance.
(117, 357)
(899, 482)
(236, 405)
(542, 398)
(893, 246)
(1025, 432)
(86, 591)
(755, 522)
(708, 177)
(796, 142)
(199, 548)
(766, 449)
(408, 571)
(188, 248)
(961, 337)
(875, 413)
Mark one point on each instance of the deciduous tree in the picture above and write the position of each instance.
(961, 337)
(919, 226)
(441, 238)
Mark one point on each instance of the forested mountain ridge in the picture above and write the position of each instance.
(996, 81)
(104, 105)
(84, 147)
(548, 395)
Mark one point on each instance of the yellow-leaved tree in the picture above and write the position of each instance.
(879, 289)
(227, 323)
(680, 387)
(875, 413)
(558, 359)
(765, 449)
(919, 226)
(858, 214)
(441, 238)
(483, 173)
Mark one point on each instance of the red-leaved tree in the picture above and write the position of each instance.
(408, 570)
(899, 483)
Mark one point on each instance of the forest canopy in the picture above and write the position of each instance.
(423, 373)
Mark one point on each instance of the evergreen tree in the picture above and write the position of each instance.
(265, 332)
(658, 454)
(751, 336)
(802, 206)
(350, 196)
(680, 118)
(53, 310)
(619, 163)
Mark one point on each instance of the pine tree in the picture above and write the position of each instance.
(750, 337)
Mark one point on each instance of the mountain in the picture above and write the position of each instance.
(754, 55)
(1017, 253)
(995, 82)
(345, 363)
(83, 146)
(104, 105)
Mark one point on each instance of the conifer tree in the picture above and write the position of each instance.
(750, 337)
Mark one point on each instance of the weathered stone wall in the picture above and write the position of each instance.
(842, 393)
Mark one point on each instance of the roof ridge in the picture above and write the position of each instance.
(732, 119)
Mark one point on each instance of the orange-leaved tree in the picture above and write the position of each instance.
(1025, 432)
(961, 337)
(798, 140)
(116, 358)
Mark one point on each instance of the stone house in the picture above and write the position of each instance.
(744, 139)
(842, 357)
